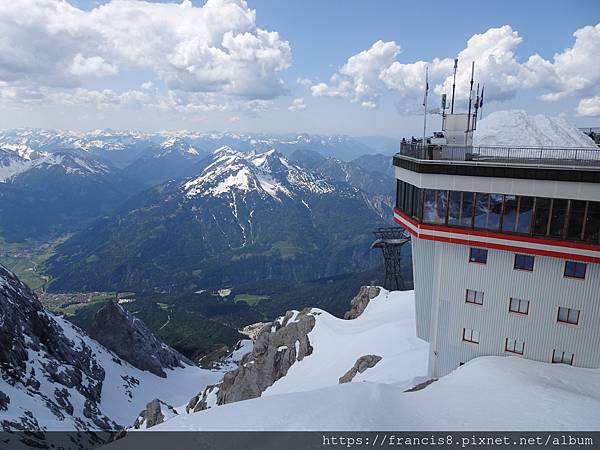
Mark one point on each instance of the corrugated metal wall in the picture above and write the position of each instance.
(423, 253)
(545, 288)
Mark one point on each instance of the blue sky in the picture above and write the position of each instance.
(171, 73)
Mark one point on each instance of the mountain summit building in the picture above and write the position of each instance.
(506, 250)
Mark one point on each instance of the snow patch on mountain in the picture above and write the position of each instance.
(269, 174)
(11, 164)
(386, 328)
(55, 377)
(519, 129)
(487, 393)
(179, 146)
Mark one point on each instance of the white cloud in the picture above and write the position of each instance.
(369, 74)
(297, 104)
(359, 78)
(304, 81)
(147, 85)
(214, 48)
(589, 107)
(94, 65)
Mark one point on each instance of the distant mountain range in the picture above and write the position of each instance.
(246, 216)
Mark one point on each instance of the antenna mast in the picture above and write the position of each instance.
(453, 86)
(476, 109)
(425, 105)
(470, 96)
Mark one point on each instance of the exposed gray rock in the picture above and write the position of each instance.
(131, 340)
(154, 413)
(277, 347)
(25, 327)
(200, 401)
(4, 401)
(422, 385)
(363, 363)
(361, 300)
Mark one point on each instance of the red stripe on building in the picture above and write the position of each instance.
(491, 245)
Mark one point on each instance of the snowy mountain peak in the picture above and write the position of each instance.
(269, 174)
(175, 145)
(72, 164)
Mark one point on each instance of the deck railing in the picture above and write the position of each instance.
(552, 156)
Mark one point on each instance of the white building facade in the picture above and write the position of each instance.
(506, 254)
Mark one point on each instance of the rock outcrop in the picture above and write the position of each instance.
(277, 347)
(129, 338)
(361, 300)
(34, 350)
(363, 363)
(154, 413)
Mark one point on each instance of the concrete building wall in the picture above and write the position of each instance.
(442, 275)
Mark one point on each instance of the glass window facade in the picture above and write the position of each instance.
(573, 220)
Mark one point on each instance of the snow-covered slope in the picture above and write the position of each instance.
(386, 328)
(519, 129)
(489, 393)
(54, 377)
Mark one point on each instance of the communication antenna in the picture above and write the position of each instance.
(470, 96)
(453, 86)
(477, 100)
(481, 103)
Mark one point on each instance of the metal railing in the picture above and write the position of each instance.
(551, 156)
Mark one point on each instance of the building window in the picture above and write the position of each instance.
(509, 216)
(576, 220)
(514, 346)
(435, 206)
(559, 357)
(558, 217)
(568, 315)
(471, 336)
(478, 255)
(475, 297)
(592, 223)
(524, 262)
(575, 269)
(519, 306)
(541, 218)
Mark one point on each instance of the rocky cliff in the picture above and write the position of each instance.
(276, 348)
(55, 377)
(34, 351)
(130, 339)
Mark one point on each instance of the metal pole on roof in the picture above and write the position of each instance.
(453, 86)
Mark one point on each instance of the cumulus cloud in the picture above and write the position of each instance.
(359, 78)
(306, 82)
(589, 107)
(366, 76)
(94, 65)
(214, 48)
(297, 104)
